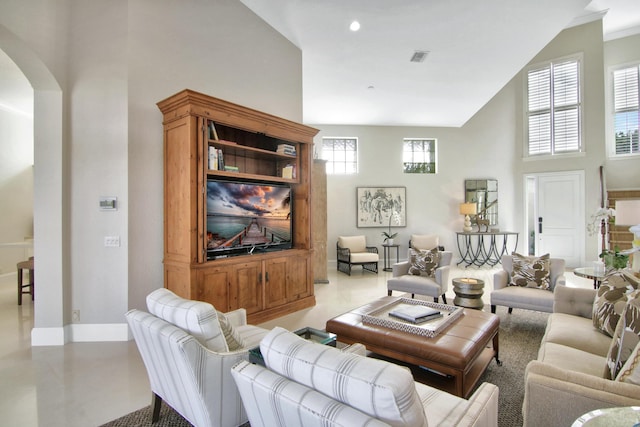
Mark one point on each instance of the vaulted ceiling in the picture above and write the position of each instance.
(474, 48)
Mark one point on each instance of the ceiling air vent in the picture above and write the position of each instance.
(419, 55)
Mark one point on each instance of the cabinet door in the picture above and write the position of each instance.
(213, 287)
(298, 277)
(245, 290)
(276, 282)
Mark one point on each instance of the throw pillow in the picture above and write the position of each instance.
(231, 335)
(630, 372)
(611, 299)
(423, 262)
(531, 272)
(626, 337)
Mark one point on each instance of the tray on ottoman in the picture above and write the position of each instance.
(381, 317)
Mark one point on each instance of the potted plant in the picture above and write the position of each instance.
(388, 236)
(614, 259)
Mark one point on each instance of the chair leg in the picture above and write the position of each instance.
(413, 296)
(444, 299)
(510, 310)
(389, 292)
(435, 299)
(19, 286)
(493, 309)
(156, 403)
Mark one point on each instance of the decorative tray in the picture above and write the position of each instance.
(431, 328)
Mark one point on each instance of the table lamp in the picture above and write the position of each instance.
(628, 213)
(467, 209)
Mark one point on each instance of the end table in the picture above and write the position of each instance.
(387, 255)
(468, 292)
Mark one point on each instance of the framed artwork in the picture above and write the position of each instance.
(381, 207)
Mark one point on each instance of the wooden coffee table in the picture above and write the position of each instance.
(453, 360)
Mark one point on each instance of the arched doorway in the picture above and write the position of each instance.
(50, 247)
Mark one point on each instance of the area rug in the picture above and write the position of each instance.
(520, 335)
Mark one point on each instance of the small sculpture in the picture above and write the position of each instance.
(481, 218)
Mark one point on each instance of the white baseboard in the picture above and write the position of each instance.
(98, 332)
(80, 333)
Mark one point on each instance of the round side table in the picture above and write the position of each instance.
(468, 292)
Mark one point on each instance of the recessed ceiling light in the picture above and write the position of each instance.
(355, 26)
(371, 87)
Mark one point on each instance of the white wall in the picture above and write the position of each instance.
(16, 163)
(114, 61)
(432, 199)
(622, 173)
(218, 48)
(490, 145)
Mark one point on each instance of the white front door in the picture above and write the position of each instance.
(559, 216)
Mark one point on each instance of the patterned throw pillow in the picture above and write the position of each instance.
(630, 372)
(231, 336)
(531, 272)
(626, 337)
(423, 262)
(610, 301)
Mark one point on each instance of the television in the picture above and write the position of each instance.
(247, 217)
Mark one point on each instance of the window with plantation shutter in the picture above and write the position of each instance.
(554, 108)
(341, 155)
(626, 113)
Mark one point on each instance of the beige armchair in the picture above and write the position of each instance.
(306, 384)
(433, 284)
(525, 297)
(188, 349)
(353, 250)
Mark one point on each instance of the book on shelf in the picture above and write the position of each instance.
(288, 171)
(415, 313)
(286, 149)
(213, 158)
(213, 134)
(229, 168)
(220, 160)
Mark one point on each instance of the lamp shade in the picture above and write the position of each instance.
(627, 212)
(468, 209)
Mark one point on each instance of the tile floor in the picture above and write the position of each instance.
(88, 384)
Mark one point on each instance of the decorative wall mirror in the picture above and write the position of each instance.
(483, 192)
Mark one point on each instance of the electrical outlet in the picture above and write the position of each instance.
(75, 316)
(112, 241)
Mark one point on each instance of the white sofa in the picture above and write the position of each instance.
(187, 356)
(568, 378)
(309, 384)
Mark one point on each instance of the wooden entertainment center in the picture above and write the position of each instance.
(267, 284)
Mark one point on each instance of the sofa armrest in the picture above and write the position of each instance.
(482, 409)
(552, 388)
(574, 301)
(237, 317)
(500, 279)
(400, 269)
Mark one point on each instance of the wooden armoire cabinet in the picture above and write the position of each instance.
(200, 131)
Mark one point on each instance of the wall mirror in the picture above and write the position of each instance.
(483, 192)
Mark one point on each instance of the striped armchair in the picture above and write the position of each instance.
(307, 384)
(188, 349)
